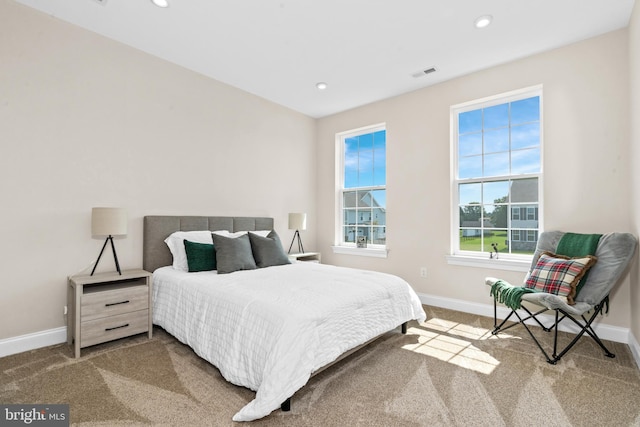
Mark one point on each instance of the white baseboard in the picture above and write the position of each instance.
(55, 336)
(604, 331)
(32, 341)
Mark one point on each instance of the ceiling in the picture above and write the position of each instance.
(365, 50)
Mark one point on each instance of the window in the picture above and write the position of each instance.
(362, 198)
(497, 163)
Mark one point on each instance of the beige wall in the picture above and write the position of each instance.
(86, 121)
(586, 134)
(634, 73)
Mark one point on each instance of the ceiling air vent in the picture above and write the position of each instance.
(102, 2)
(423, 72)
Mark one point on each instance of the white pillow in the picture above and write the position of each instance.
(175, 242)
(225, 233)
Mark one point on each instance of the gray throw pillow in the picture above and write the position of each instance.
(233, 253)
(268, 251)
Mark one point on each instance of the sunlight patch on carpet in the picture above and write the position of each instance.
(463, 330)
(443, 340)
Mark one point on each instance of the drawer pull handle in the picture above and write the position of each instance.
(116, 327)
(116, 303)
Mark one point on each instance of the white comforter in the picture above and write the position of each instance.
(269, 329)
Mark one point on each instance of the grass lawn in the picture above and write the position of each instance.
(500, 237)
(474, 243)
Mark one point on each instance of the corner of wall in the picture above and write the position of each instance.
(635, 348)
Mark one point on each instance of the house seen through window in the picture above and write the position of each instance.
(498, 174)
(362, 186)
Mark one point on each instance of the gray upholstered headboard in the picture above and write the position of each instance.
(155, 252)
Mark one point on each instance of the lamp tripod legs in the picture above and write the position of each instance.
(300, 248)
(115, 257)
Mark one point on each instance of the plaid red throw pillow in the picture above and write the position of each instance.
(559, 275)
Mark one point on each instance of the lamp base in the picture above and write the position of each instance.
(300, 248)
(115, 256)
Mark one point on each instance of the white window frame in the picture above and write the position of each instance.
(516, 262)
(340, 246)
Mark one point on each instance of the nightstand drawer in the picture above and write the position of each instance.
(114, 301)
(114, 327)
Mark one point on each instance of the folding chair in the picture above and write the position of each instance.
(614, 253)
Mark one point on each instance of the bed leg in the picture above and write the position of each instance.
(404, 328)
(286, 405)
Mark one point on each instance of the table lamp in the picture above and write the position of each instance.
(297, 221)
(108, 222)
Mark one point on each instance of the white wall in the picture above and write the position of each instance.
(586, 187)
(86, 121)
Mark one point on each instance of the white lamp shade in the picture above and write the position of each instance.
(108, 222)
(297, 221)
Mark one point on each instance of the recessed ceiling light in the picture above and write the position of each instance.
(483, 21)
(161, 3)
(321, 85)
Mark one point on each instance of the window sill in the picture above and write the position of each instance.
(370, 252)
(495, 264)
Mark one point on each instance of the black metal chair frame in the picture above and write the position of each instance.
(555, 356)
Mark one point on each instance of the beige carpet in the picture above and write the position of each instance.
(448, 371)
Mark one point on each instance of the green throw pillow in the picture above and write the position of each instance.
(200, 256)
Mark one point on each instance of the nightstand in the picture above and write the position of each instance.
(108, 306)
(306, 256)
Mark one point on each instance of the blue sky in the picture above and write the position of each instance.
(486, 135)
(365, 162)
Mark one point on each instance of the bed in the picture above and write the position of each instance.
(269, 329)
